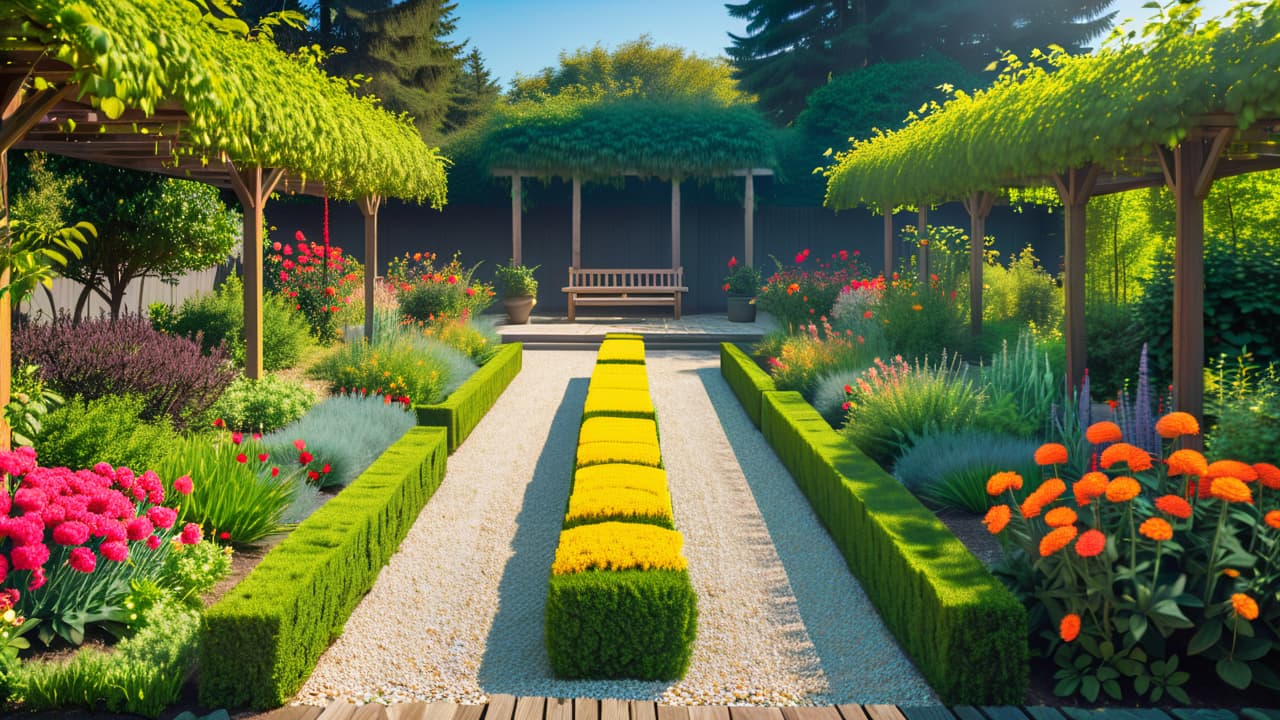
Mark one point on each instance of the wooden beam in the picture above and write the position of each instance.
(577, 222)
(1074, 189)
(252, 185)
(887, 208)
(922, 235)
(749, 221)
(1213, 154)
(17, 121)
(369, 206)
(978, 205)
(675, 223)
(1188, 164)
(517, 217)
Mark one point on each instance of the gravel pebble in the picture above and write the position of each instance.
(458, 612)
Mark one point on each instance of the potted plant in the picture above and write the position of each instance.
(519, 290)
(742, 284)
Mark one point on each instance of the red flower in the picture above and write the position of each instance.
(153, 542)
(313, 475)
(237, 437)
(114, 551)
(298, 236)
(287, 250)
(219, 423)
(325, 469)
(190, 534)
(305, 457)
(82, 560)
(224, 535)
(471, 292)
(242, 458)
(262, 457)
(275, 471)
(733, 261)
(300, 444)
(276, 246)
(330, 292)
(183, 485)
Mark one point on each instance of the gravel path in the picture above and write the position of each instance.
(458, 613)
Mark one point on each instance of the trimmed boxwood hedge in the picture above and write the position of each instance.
(965, 632)
(466, 407)
(745, 378)
(262, 640)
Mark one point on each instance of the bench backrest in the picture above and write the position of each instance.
(597, 278)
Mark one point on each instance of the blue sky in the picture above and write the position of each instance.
(527, 35)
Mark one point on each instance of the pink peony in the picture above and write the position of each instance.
(183, 485)
(83, 560)
(190, 534)
(153, 542)
(71, 533)
(138, 528)
(114, 551)
(29, 557)
(163, 517)
(29, 499)
(4, 570)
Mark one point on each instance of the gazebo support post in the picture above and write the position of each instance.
(577, 222)
(253, 185)
(675, 223)
(978, 205)
(369, 205)
(922, 255)
(887, 207)
(1074, 188)
(749, 221)
(517, 241)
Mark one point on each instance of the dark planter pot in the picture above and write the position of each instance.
(518, 308)
(742, 308)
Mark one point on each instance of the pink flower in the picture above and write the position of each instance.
(29, 499)
(190, 534)
(287, 264)
(287, 250)
(153, 542)
(453, 279)
(71, 533)
(82, 560)
(37, 579)
(138, 528)
(29, 557)
(284, 276)
(733, 261)
(4, 570)
(162, 517)
(471, 292)
(276, 246)
(298, 236)
(300, 444)
(183, 485)
(237, 437)
(114, 551)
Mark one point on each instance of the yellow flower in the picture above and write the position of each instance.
(618, 546)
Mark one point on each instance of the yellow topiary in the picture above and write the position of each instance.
(638, 453)
(618, 546)
(613, 429)
(593, 502)
(622, 377)
(621, 351)
(621, 475)
(617, 403)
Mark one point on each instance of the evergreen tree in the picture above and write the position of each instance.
(794, 46)
(475, 93)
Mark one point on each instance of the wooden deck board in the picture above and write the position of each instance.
(883, 712)
(1003, 712)
(708, 712)
(292, 712)
(968, 712)
(501, 707)
(851, 712)
(926, 712)
(643, 710)
(559, 709)
(584, 709)
(529, 708)
(469, 712)
(675, 712)
(338, 711)
(822, 712)
(1043, 712)
(611, 709)
(371, 711)
(751, 712)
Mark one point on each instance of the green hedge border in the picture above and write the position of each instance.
(466, 407)
(963, 629)
(745, 378)
(261, 641)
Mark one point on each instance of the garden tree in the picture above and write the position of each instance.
(794, 46)
(36, 242)
(638, 68)
(474, 95)
(147, 224)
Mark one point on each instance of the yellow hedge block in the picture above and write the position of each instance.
(621, 351)
(622, 336)
(622, 377)
(638, 453)
(619, 546)
(604, 502)
(612, 429)
(621, 475)
(617, 403)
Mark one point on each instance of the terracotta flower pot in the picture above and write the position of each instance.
(518, 308)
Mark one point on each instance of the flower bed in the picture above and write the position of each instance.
(262, 640)
(620, 602)
(465, 407)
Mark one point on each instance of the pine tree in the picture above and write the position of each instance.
(475, 93)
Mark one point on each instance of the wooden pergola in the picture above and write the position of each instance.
(517, 210)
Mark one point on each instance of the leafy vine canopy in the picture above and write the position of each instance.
(1058, 111)
(242, 94)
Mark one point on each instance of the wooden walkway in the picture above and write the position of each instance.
(507, 707)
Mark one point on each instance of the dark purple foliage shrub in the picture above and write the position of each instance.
(126, 357)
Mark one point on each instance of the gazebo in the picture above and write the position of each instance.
(154, 87)
(1189, 103)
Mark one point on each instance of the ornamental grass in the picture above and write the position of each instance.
(618, 546)
(1145, 562)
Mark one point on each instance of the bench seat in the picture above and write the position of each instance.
(619, 288)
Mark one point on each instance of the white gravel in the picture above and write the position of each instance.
(458, 613)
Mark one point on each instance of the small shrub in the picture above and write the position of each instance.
(472, 336)
(813, 352)
(951, 468)
(190, 571)
(30, 402)
(419, 368)
(800, 293)
(1020, 390)
(320, 288)
(125, 357)
(830, 395)
(218, 317)
(922, 318)
(108, 429)
(1245, 400)
(347, 433)
(1022, 292)
(262, 405)
(426, 293)
(1113, 338)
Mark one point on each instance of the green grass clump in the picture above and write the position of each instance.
(262, 405)
(109, 429)
(346, 432)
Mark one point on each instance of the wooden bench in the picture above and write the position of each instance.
(597, 287)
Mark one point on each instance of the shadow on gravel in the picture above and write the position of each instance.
(514, 652)
(852, 643)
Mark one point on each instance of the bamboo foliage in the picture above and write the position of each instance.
(243, 95)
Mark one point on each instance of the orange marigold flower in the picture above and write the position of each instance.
(1091, 544)
(997, 518)
(1232, 468)
(1272, 519)
(1051, 454)
(1176, 424)
(1245, 606)
(1069, 628)
(1119, 452)
(1187, 462)
(1002, 481)
(1156, 529)
(1123, 489)
(1048, 491)
(1103, 432)
(1060, 517)
(1056, 539)
(1231, 573)
(1230, 489)
(1174, 505)
(1092, 485)
(1268, 475)
(1139, 460)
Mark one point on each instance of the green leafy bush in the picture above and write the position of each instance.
(347, 433)
(426, 293)
(240, 494)
(109, 429)
(262, 639)
(950, 469)
(219, 317)
(399, 365)
(1245, 401)
(473, 336)
(922, 319)
(465, 407)
(262, 405)
(30, 401)
(1022, 292)
(192, 570)
(1114, 337)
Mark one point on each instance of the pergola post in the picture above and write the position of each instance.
(922, 261)
(517, 241)
(675, 223)
(253, 185)
(887, 207)
(369, 205)
(749, 220)
(978, 205)
(577, 222)
(1074, 188)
